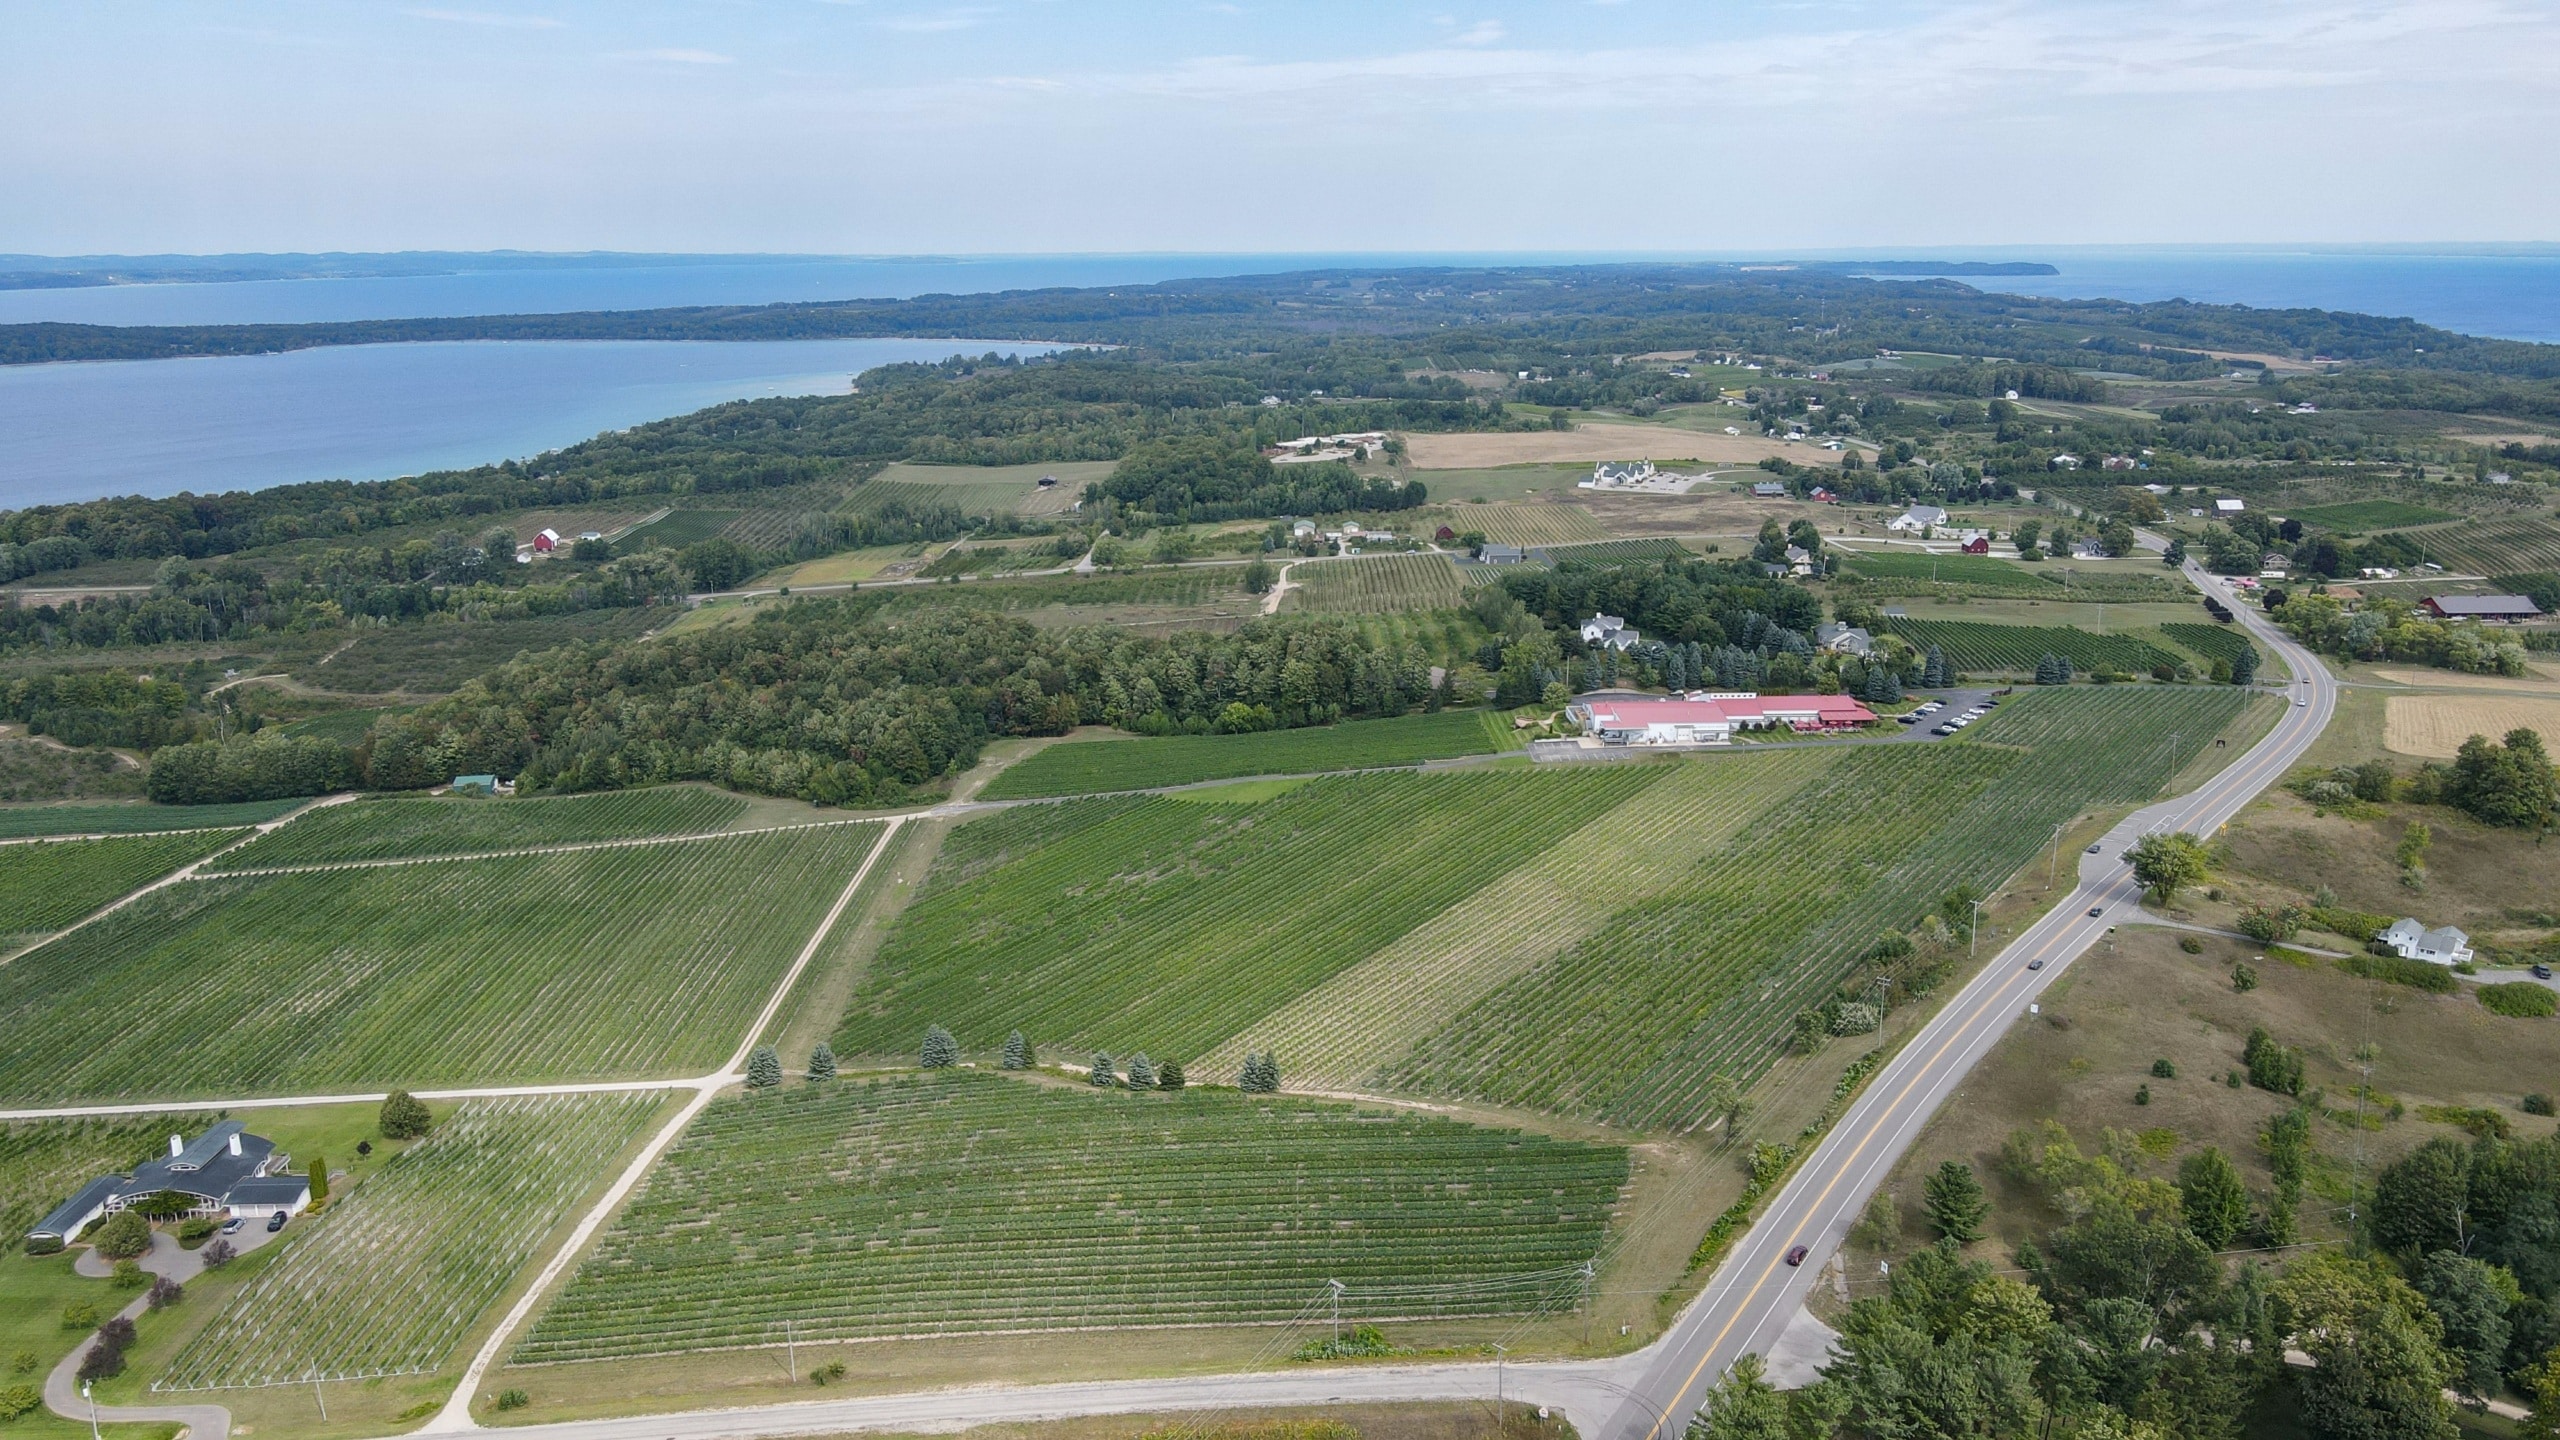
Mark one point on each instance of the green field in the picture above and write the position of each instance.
(996, 560)
(1186, 585)
(44, 1162)
(679, 529)
(397, 1271)
(1605, 550)
(17, 821)
(347, 727)
(969, 1202)
(47, 884)
(459, 825)
(983, 489)
(1900, 570)
(1375, 584)
(1703, 976)
(435, 657)
(1089, 767)
(2363, 515)
(1974, 646)
(2495, 547)
(578, 965)
(1151, 924)
(2213, 642)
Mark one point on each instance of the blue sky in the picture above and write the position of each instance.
(892, 126)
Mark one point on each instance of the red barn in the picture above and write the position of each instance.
(1977, 546)
(546, 541)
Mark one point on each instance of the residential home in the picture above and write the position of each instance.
(2410, 940)
(1917, 519)
(1842, 639)
(224, 1171)
(2063, 462)
(1610, 632)
(1493, 554)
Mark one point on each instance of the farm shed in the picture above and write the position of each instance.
(2496, 609)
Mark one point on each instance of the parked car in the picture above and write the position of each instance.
(2093, 849)
(232, 1225)
(1796, 1256)
(2541, 972)
(275, 1222)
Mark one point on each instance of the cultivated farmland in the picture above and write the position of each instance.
(386, 829)
(43, 1162)
(2496, 547)
(2213, 642)
(970, 1202)
(1523, 524)
(1903, 571)
(1972, 645)
(1168, 927)
(23, 820)
(1375, 584)
(2370, 515)
(2435, 726)
(578, 965)
(1655, 549)
(394, 1274)
(1187, 585)
(1089, 767)
(47, 884)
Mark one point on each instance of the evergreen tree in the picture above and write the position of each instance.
(1261, 1075)
(2049, 669)
(940, 1051)
(1102, 1073)
(2063, 663)
(1142, 1072)
(319, 1178)
(2244, 666)
(2211, 1195)
(1169, 1075)
(822, 1062)
(1955, 1202)
(2471, 1299)
(1017, 1052)
(1742, 1406)
(764, 1068)
(1934, 674)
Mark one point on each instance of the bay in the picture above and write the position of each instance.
(364, 412)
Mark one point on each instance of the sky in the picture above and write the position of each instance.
(1050, 126)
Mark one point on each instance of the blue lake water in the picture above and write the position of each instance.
(160, 427)
(163, 426)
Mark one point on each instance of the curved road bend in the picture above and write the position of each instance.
(1756, 1292)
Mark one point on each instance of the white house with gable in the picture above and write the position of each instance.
(1610, 632)
(2410, 940)
(1917, 519)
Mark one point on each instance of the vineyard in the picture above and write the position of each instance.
(1971, 645)
(387, 829)
(400, 1269)
(968, 1202)
(44, 1162)
(996, 560)
(1171, 926)
(1702, 977)
(1617, 550)
(47, 884)
(1092, 767)
(1375, 584)
(2496, 547)
(576, 965)
(1528, 524)
(1340, 1034)
(2213, 642)
(1901, 571)
(1188, 585)
(2361, 515)
(19, 821)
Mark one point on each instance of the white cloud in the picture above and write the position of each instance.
(487, 18)
(676, 56)
(961, 17)
(1483, 32)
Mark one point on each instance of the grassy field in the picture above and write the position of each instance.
(847, 566)
(1189, 585)
(429, 659)
(2495, 547)
(43, 1162)
(1537, 523)
(678, 529)
(1167, 927)
(17, 821)
(393, 1275)
(37, 772)
(1896, 570)
(47, 884)
(969, 1202)
(580, 965)
(1972, 646)
(1085, 767)
(1703, 976)
(984, 489)
(996, 559)
(382, 829)
(1375, 584)
(2363, 515)
(2434, 726)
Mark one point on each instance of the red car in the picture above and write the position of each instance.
(1796, 1256)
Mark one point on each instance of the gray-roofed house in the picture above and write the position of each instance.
(1917, 519)
(1610, 633)
(224, 1171)
(1493, 554)
(2411, 940)
(1843, 639)
(2497, 609)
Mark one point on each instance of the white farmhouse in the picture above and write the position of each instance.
(1917, 519)
(2443, 945)
(1610, 632)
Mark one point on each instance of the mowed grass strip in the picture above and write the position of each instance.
(1343, 1032)
(1973, 645)
(579, 965)
(396, 1272)
(19, 821)
(971, 1202)
(1169, 927)
(47, 884)
(1088, 767)
(44, 1162)
(460, 825)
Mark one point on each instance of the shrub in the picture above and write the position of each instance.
(44, 1245)
(2272, 1067)
(164, 1292)
(2191, 944)
(196, 1229)
(513, 1400)
(404, 1116)
(2356, 925)
(2244, 977)
(80, 1315)
(219, 1254)
(2520, 998)
(19, 1401)
(2416, 974)
(24, 1363)
(2164, 1068)
(827, 1374)
(125, 1236)
(2142, 1094)
(2538, 1103)
(129, 1275)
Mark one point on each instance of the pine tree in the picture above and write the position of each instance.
(1955, 1202)
(319, 1178)
(1261, 1075)
(1933, 674)
(2212, 1198)
(1169, 1075)
(2063, 664)
(2049, 669)
(1142, 1072)
(764, 1068)
(1017, 1052)
(941, 1052)
(1102, 1074)
(822, 1062)
(2244, 666)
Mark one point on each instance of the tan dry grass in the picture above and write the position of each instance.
(1601, 441)
(2434, 726)
(2538, 684)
